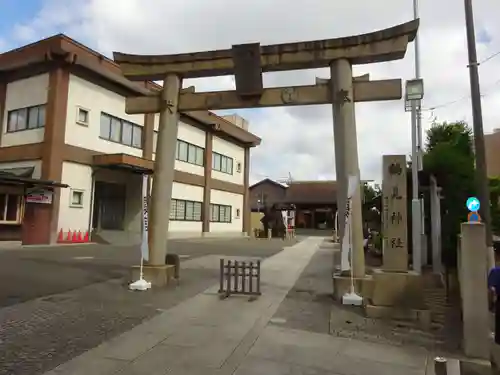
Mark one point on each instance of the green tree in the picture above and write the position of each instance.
(449, 157)
(372, 205)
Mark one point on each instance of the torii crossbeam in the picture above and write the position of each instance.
(247, 62)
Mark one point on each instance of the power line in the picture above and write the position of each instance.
(490, 57)
(446, 104)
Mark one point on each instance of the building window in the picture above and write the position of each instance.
(26, 118)
(120, 131)
(10, 209)
(183, 210)
(76, 198)
(190, 153)
(220, 213)
(222, 163)
(82, 116)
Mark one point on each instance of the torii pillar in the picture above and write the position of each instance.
(346, 158)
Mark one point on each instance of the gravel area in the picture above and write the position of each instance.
(309, 306)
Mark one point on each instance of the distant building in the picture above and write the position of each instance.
(265, 193)
(315, 201)
(492, 150)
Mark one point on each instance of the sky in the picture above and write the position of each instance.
(295, 140)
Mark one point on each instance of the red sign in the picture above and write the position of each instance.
(44, 197)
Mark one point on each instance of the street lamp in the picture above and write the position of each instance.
(414, 94)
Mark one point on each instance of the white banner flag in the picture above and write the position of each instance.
(346, 253)
(145, 223)
(284, 215)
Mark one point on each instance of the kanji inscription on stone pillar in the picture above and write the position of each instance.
(394, 215)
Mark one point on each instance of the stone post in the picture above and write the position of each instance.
(435, 202)
(164, 169)
(394, 215)
(346, 157)
(474, 290)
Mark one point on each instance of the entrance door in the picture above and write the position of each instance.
(109, 206)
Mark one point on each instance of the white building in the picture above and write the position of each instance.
(62, 107)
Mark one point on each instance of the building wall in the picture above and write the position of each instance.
(190, 193)
(78, 177)
(492, 151)
(21, 94)
(235, 152)
(190, 134)
(236, 203)
(96, 99)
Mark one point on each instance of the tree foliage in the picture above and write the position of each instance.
(372, 205)
(449, 157)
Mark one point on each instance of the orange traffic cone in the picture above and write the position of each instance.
(86, 237)
(68, 237)
(79, 238)
(60, 237)
(74, 237)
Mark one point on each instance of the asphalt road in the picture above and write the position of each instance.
(27, 273)
(58, 302)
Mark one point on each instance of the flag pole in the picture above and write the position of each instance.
(142, 284)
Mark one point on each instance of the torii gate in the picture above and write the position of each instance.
(247, 62)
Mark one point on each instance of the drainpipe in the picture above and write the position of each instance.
(91, 204)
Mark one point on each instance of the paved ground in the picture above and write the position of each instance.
(204, 335)
(27, 273)
(73, 298)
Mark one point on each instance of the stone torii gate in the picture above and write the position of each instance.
(247, 62)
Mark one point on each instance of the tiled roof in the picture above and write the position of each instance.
(311, 192)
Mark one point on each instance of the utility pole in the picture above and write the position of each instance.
(482, 186)
(416, 131)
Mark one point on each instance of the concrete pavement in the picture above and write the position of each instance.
(204, 335)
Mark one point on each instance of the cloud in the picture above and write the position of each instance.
(299, 140)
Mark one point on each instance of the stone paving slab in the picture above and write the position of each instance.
(321, 352)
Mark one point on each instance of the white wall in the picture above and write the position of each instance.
(37, 164)
(96, 99)
(228, 199)
(231, 150)
(21, 94)
(191, 193)
(190, 134)
(77, 176)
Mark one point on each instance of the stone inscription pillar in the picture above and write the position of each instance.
(164, 169)
(346, 156)
(394, 215)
